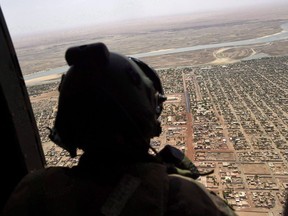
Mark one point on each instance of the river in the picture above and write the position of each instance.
(283, 35)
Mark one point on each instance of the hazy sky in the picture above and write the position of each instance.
(29, 16)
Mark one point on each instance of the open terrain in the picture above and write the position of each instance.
(46, 51)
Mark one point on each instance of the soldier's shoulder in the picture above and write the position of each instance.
(191, 197)
(34, 175)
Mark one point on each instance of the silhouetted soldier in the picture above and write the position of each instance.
(109, 106)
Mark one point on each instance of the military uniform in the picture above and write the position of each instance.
(144, 189)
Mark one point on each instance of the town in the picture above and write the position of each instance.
(231, 118)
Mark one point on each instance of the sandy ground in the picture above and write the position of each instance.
(43, 80)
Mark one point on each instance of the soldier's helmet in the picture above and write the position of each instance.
(104, 94)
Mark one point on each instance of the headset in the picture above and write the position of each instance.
(96, 55)
(92, 52)
(153, 76)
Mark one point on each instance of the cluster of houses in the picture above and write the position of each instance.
(239, 116)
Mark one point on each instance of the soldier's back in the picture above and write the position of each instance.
(144, 189)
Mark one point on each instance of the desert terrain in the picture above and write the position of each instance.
(44, 52)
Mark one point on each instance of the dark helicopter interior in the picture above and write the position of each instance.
(21, 147)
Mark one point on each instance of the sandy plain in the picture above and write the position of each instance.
(45, 51)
